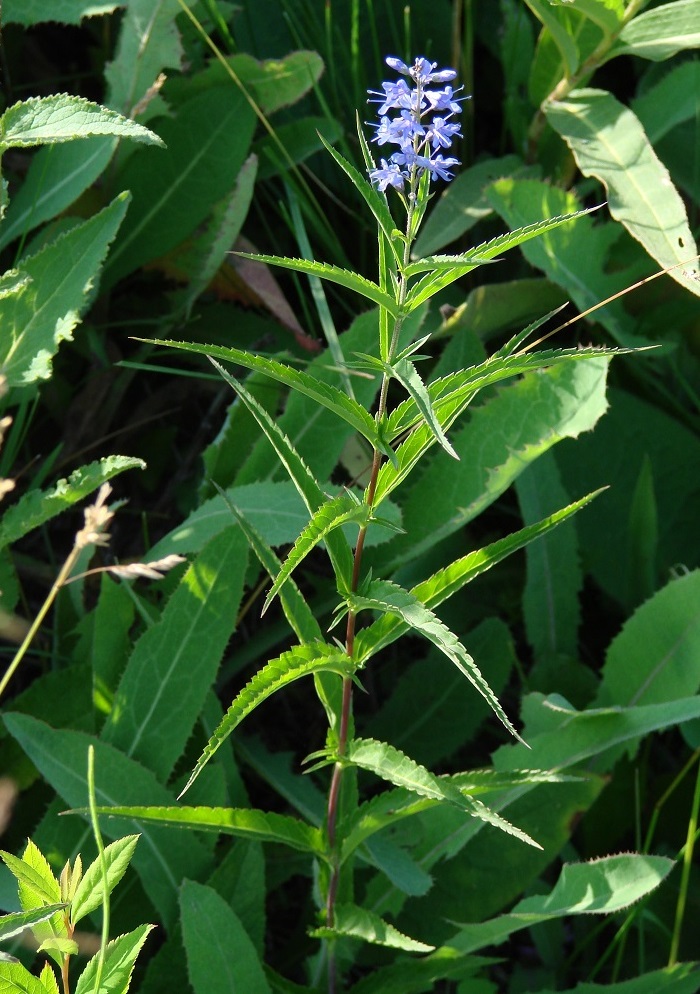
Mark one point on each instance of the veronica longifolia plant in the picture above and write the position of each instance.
(417, 115)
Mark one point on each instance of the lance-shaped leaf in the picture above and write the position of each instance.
(296, 610)
(14, 924)
(374, 200)
(37, 507)
(119, 959)
(300, 475)
(325, 394)
(409, 378)
(335, 512)
(352, 922)
(444, 270)
(90, 892)
(302, 660)
(602, 886)
(324, 271)
(609, 142)
(452, 578)
(246, 823)
(399, 769)
(62, 117)
(388, 597)
(390, 806)
(659, 33)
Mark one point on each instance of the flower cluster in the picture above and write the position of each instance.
(421, 128)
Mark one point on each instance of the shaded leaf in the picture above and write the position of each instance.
(353, 922)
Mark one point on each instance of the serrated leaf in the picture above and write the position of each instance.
(37, 886)
(90, 892)
(599, 887)
(63, 117)
(343, 277)
(374, 200)
(385, 596)
(48, 309)
(409, 378)
(337, 511)
(659, 33)
(394, 766)
(296, 610)
(302, 660)
(246, 823)
(14, 924)
(30, 12)
(120, 957)
(16, 979)
(48, 979)
(353, 922)
(301, 476)
(609, 142)
(37, 507)
(458, 266)
(221, 958)
(324, 394)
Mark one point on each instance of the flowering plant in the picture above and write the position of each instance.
(376, 611)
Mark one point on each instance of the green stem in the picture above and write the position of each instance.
(36, 624)
(685, 878)
(103, 866)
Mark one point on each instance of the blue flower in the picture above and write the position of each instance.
(413, 128)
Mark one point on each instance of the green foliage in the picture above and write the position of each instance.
(361, 441)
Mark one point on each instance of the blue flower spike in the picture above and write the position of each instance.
(422, 127)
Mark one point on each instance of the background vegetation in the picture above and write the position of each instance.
(591, 639)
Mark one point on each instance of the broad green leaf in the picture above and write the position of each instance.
(656, 656)
(350, 921)
(62, 117)
(46, 312)
(397, 768)
(296, 610)
(587, 277)
(301, 476)
(326, 394)
(148, 43)
(659, 33)
(409, 378)
(30, 12)
(382, 595)
(452, 578)
(608, 142)
(56, 177)
(209, 135)
(302, 660)
(16, 979)
(501, 438)
(463, 204)
(247, 823)
(37, 507)
(324, 271)
(119, 960)
(221, 958)
(90, 892)
(568, 737)
(554, 579)
(671, 101)
(162, 858)
(335, 512)
(599, 887)
(175, 661)
(14, 924)
(419, 975)
(451, 268)
(272, 83)
(299, 139)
